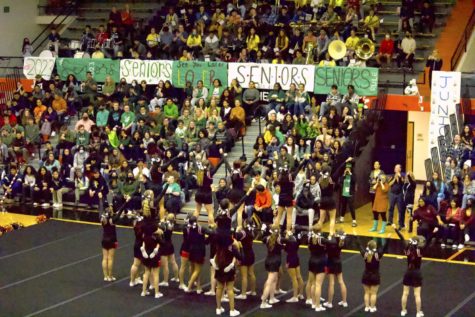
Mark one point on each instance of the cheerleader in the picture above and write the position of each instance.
(204, 180)
(224, 265)
(134, 269)
(272, 266)
(327, 201)
(184, 255)
(286, 197)
(316, 267)
(167, 251)
(197, 245)
(245, 236)
(109, 245)
(237, 181)
(291, 246)
(334, 268)
(413, 276)
(150, 247)
(372, 255)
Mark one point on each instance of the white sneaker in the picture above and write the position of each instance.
(234, 313)
(442, 245)
(251, 293)
(265, 305)
(322, 299)
(460, 246)
(300, 297)
(199, 291)
(138, 280)
(241, 296)
(55, 205)
(373, 309)
(292, 300)
(320, 308)
(343, 304)
(273, 301)
(467, 237)
(454, 246)
(143, 294)
(132, 284)
(182, 286)
(218, 311)
(403, 313)
(186, 290)
(106, 279)
(112, 279)
(420, 314)
(367, 309)
(280, 291)
(308, 302)
(163, 284)
(225, 299)
(342, 219)
(175, 279)
(328, 305)
(158, 295)
(236, 290)
(210, 293)
(35, 204)
(45, 205)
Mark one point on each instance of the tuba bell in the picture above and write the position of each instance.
(364, 49)
(337, 49)
(309, 51)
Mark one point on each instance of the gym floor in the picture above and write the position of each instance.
(54, 269)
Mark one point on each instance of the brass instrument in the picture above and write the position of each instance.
(364, 49)
(309, 51)
(337, 49)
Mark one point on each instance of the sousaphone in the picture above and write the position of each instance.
(364, 49)
(337, 49)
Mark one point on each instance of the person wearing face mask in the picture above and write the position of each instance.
(407, 49)
(85, 122)
(386, 51)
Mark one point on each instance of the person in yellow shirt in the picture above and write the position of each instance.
(328, 61)
(371, 23)
(252, 40)
(194, 41)
(351, 42)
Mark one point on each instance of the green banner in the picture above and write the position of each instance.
(100, 68)
(194, 71)
(365, 79)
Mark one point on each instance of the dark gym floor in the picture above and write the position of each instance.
(54, 269)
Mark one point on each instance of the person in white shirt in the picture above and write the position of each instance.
(211, 45)
(407, 50)
(141, 169)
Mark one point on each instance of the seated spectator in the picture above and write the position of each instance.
(453, 219)
(386, 50)
(333, 98)
(407, 51)
(429, 221)
(406, 15)
(427, 19)
(371, 24)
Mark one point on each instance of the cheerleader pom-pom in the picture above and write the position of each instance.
(41, 218)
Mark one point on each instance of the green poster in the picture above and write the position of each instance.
(100, 68)
(364, 79)
(194, 71)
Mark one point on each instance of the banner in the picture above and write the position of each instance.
(193, 71)
(445, 95)
(33, 66)
(100, 68)
(152, 71)
(266, 75)
(365, 79)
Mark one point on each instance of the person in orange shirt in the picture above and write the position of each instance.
(237, 118)
(263, 204)
(38, 110)
(60, 106)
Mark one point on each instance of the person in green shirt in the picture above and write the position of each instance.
(112, 137)
(127, 119)
(32, 132)
(102, 116)
(172, 195)
(347, 185)
(276, 98)
(128, 189)
(299, 59)
(82, 137)
(171, 110)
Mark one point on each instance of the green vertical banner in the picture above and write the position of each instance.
(364, 79)
(193, 71)
(100, 68)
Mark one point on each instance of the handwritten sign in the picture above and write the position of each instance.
(193, 71)
(100, 68)
(266, 75)
(43, 66)
(152, 71)
(364, 79)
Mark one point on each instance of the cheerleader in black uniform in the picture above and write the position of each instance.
(109, 244)
(316, 267)
(286, 197)
(197, 243)
(334, 268)
(224, 264)
(372, 255)
(245, 235)
(237, 182)
(151, 236)
(413, 276)
(167, 251)
(134, 269)
(184, 255)
(204, 180)
(272, 265)
(291, 245)
(327, 201)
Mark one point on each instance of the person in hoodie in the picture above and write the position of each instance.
(58, 188)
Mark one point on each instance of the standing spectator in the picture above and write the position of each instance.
(127, 22)
(434, 62)
(322, 43)
(347, 184)
(407, 50)
(380, 203)
(395, 196)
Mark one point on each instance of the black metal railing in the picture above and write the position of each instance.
(63, 14)
(462, 45)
